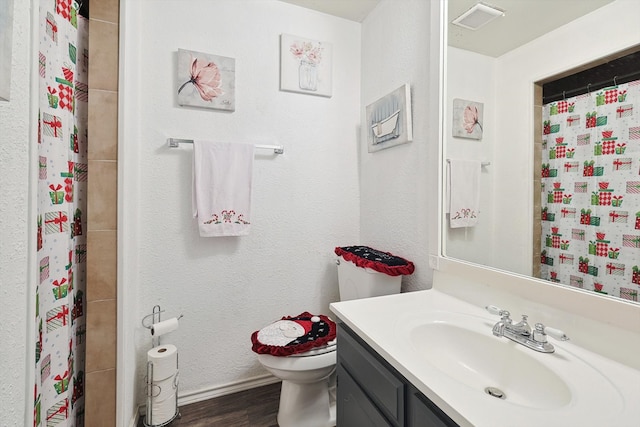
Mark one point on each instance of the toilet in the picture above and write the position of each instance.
(302, 350)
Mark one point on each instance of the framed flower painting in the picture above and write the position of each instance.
(205, 80)
(305, 66)
(467, 119)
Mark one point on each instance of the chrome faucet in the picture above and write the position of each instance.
(522, 333)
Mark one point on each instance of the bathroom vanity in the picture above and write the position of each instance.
(427, 358)
(372, 393)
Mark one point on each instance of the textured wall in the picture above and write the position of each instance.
(399, 185)
(470, 77)
(304, 202)
(14, 226)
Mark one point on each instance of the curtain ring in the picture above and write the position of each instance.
(614, 81)
(588, 90)
(563, 96)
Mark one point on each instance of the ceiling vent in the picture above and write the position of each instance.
(478, 16)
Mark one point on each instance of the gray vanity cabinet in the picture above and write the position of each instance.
(372, 393)
(355, 408)
(424, 413)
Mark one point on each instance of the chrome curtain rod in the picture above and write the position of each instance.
(175, 142)
(616, 80)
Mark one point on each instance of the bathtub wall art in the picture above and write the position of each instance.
(388, 120)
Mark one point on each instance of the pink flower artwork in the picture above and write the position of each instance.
(307, 51)
(205, 76)
(305, 66)
(206, 80)
(467, 119)
(471, 119)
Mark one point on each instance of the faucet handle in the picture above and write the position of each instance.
(540, 333)
(504, 314)
(556, 333)
(494, 310)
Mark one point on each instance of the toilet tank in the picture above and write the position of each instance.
(365, 272)
(360, 282)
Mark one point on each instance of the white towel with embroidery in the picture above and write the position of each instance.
(464, 192)
(222, 174)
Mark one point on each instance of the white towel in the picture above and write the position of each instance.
(464, 192)
(222, 188)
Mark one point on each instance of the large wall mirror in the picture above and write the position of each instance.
(495, 117)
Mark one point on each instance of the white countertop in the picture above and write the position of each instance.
(385, 323)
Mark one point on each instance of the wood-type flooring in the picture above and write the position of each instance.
(257, 407)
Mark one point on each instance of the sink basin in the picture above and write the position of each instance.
(480, 360)
(445, 347)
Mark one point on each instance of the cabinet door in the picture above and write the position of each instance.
(424, 413)
(354, 407)
(385, 389)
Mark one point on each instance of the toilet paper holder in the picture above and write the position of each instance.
(155, 341)
(155, 318)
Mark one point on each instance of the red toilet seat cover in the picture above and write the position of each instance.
(293, 335)
(382, 262)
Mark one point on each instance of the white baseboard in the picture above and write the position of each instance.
(213, 392)
(223, 390)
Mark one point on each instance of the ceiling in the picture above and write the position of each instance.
(353, 10)
(524, 20)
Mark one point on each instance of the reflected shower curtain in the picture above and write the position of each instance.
(61, 242)
(591, 191)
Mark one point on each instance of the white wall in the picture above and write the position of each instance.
(399, 185)
(305, 202)
(471, 76)
(579, 42)
(15, 233)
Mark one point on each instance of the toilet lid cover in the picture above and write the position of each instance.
(292, 335)
(382, 262)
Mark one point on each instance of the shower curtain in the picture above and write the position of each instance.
(61, 204)
(591, 191)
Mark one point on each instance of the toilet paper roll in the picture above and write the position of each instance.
(164, 389)
(165, 361)
(163, 411)
(164, 327)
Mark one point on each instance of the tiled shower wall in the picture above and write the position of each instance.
(100, 382)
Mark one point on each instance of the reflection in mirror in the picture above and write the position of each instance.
(503, 66)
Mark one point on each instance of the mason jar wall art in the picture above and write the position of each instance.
(308, 75)
(305, 66)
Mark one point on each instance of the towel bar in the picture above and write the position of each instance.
(175, 142)
(481, 164)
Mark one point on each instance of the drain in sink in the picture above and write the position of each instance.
(495, 392)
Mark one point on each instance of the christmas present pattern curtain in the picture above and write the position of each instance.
(61, 242)
(591, 191)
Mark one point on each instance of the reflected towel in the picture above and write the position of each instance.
(464, 192)
(222, 174)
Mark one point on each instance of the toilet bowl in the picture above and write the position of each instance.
(307, 396)
(306, 399)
